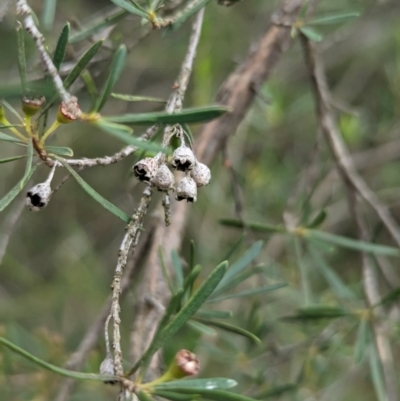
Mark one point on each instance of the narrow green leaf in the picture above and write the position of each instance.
(59, 52)
(90, 87)
(217, 395)
(131, 98)
(197, 384)
(144, 396)
(48, 14)
(192, 254)
(351, 243)
(29, 170)
(11, 159)
(9, 138)
(318, 219)
(389, 298)
(234, 247)
(186, 312)
(95, 195)
(186, 14)
(190, 279)
(334, 18)
(242, 263)
(276, 391)
(173, 396)
(231, 328)
(377, 374)
(202, 328)
(331, 277)
(98, 26)
(22, 58)
(177, 265)
(213, 314)
(247, 293)
(318, 312)
(124, 133)
(130, 7)
(362, 340)
(253, 226)
(81, 64)
(311, 34)
(12, 110)
(165, 270)
(117, 64)
(53, 368)
(194, 115)
(60, 150)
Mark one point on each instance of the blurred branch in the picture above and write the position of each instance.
(355, 185)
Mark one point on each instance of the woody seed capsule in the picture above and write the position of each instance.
(38, 196)
(107, 369)
(146, 169)
(164, 179)
(186, 189)
(31, 105)
(183, 159)
(201, 174)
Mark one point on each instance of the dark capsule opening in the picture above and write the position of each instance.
(183, 166)
(36, 199)
(141, 173)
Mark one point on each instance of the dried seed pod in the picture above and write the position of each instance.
(146, 169)
(38, 196)
(187, 363)
(107, 369)
(201, 174)
(31, 105)
(183, 159)
(164, 179)
(69, 112)
(187, 189)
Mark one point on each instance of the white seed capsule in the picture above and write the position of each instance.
(187, 189)
(107, 369)
(164, 179)
(38, 197)
(183, 159)
(201, 174)
(146, 169)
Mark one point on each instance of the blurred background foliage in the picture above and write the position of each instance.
(56, 273)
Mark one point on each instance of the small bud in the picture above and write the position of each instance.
(164, 179)
(31, 105)
(146, 169)
(183, 159)
(201, 174)
(38, 197)
(187, 189)
(69, 112)
(187, 362)
(107, 369)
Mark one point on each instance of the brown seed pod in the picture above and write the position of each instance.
(187, 362)
(164, 179)
(186, 189)
(107, 369)
(69, 112)
(38, 196)
(201, 174)
(146, 169)
(183, 159)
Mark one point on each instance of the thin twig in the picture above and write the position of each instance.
(355, 185)
(25, 11)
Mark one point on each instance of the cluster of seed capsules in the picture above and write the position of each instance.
(154, 170)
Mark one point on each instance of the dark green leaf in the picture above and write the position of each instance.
(116, 67)
(131, 98)
(91, 29)
(377, 374)
(334, 18)
(95, 195)
(190, 279)
(90, 86)
(194, 115)
(61, 47)
(29, 170)
(235, 246)
(231, 328)
(60, 150)
(389, 298)
(53, 368)
(202, 328)
(197, 384)
(311, 33)
(351, 243)
(124, 133)
(144, 396)
(177, 265)
(362, 340)
(187, 13)
(11, 159)
(22, 58)
(318, 219)
(213, 314)
(130, 7)
(173, 396)
(277, 391)
(318, 312)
